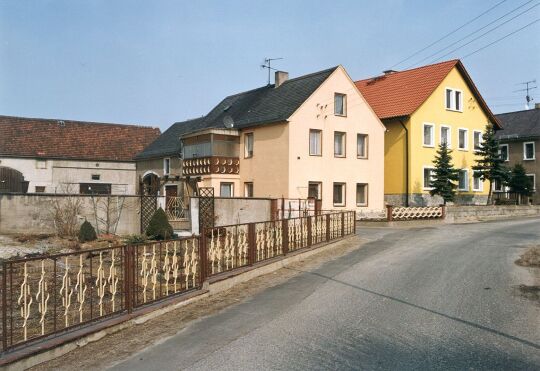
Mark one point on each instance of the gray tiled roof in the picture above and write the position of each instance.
(520, 124)
(256, 107)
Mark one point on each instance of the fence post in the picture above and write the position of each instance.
(354, 222)
(203, 256)
(128, 278)
(285, 235)
(252, 255)
(4, 306)
(342, 224)
(389, 213)
(443, 211)
(309, 231)
(327, 227)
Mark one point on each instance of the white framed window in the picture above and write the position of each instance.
(528, 151)
(248, 189)
(362, 145)
(498, 186)
(166, 166)
(532, 177)
(463, 180)
(429, 172)
(315, 190)
(478, 184)
(446, 135)
(315, 142)
(453, 99)
(463, 139)
(339, 144)
(361, 194)
(339, 194)
(226, 189)
(477, 139)
(340, 104)
(248, 145)
(503, 152)
(429, 135)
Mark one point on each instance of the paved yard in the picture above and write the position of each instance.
(440, 297)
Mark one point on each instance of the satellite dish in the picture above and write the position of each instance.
(228, 122)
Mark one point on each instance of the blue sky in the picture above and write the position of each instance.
(157, 62)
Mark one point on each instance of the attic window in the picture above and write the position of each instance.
(340, 104)
(453, 99)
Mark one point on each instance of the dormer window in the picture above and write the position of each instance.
(166, 166)
(454, 100)
(340, 104)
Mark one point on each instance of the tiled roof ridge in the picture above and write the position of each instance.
(55, 120)
(409, 70)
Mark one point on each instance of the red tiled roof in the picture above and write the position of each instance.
(52, 138)
(401, 93)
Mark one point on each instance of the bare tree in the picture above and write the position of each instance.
(107, 212)
(65, 211)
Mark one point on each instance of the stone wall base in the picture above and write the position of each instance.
(425, 199)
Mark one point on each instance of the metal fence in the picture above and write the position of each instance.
(48, 295)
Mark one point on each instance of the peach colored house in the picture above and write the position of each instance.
(311, 136)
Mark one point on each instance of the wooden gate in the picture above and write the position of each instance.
(12, 181)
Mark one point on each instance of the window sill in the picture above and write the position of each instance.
(529, 159)
(454, 110)
(428, 145)
(342, 156)
(339, 205)
(463, 149)
(362, 157)
(361, 205)
(338, 115)
(463, 190)
(315, 155)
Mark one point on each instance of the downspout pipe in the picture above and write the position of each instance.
(406, 162)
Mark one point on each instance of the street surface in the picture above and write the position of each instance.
(440, 297)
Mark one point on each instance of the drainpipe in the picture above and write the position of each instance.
(406, 162)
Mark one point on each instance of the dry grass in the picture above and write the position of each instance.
(530, 258)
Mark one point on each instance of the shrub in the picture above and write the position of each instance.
(159, 227)
(133, 239)
(87, 232)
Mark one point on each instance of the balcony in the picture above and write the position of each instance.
(211, 165)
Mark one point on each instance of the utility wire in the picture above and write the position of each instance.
(472, 33)
(448, 34)
(502, 38)
(484, 34)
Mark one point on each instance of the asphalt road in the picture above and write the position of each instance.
(440, 297)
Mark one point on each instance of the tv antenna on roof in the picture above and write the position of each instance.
(267, 64)
(528, 98)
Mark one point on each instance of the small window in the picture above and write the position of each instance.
(166, 166)
(532, 179)
(462, 139)
(448, 98)
(362, 146)
(248, 145)
(478, 184)
(453, 99)
(361, 194)
(95, 189)
(41, 164)
(315, 142)
(463, 180)
(477, 138)
(498, 185)
(446, 135)
(339, 194)
(528, 151)
(340, 104)
(503, 152)
(339, 144)
(226, 189)
(40, 189)
(314, 190)
(96, 176)
(429, 139)
(457, 102)
(428, 177)
(248, 189)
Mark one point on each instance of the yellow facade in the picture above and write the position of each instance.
(472, 117)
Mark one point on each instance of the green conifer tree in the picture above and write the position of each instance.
(519, 182)
(489, 164)
(444, 175)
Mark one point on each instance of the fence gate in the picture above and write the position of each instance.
(148, 208)
(206, 208)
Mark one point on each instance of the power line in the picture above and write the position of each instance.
(472, 33)
(502, 38)
(448, 34)
(484, 34)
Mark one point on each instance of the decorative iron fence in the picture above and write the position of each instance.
(176, 209)
(49, 295)
(415, 213)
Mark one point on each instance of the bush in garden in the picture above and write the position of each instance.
(159, 227)
(87, 232)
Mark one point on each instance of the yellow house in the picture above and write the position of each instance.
(421, 108)
(310, 136)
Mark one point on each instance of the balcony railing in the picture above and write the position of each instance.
(211, 165)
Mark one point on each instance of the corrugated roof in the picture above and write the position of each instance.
(68, 139)
(520, 124)
(401, 93)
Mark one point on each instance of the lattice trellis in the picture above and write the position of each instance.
(148, 208)
(206, 208)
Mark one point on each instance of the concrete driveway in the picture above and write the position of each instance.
(441, 297)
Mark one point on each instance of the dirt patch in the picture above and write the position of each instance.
(122, 344)
(530, 292)
(531, 258)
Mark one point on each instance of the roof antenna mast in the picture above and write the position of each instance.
(527, 89)
(267, 64)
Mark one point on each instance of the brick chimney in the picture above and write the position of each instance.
(280, 77)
